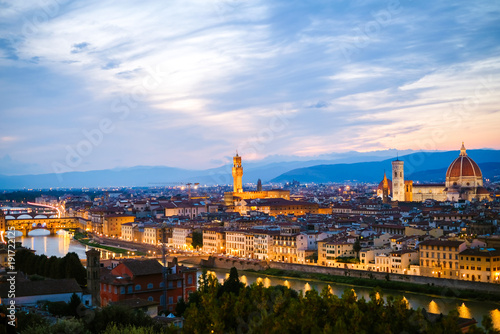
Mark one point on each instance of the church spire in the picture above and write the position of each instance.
(385, 189)
(462, 150)
(385, 181)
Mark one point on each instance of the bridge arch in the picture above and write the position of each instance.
(30, 234)
(51, 224)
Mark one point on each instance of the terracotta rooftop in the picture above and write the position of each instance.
(489, 252)
(438, 242)
(45, 287)
(143, 267)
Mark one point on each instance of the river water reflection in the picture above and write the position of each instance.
(53, 245)
(433, 304)
(60, 244)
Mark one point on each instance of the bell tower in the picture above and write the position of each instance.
(237, 174)
(3, 222)
(398, 180)
(385, 190)
(93, 275)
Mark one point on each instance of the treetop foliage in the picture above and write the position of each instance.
(68, 266)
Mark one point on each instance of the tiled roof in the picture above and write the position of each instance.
(481, 252)
(438, 242)
(143, 267)
(45, 287)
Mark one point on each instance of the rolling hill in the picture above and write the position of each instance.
(422, 166)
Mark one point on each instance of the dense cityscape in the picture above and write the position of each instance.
(263, 166)
(448, 234)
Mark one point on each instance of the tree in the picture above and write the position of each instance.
(197, 239)
(30, 266)
(24, 320)
(40, 264)
(357, 247)
(232, 284)
(73, 305)
(75, 269)
(49, 266)
(119, 315)
(114, 329)
(181, 307)
(313, 258)
(58, 308)
(487, 324)
(68, 326)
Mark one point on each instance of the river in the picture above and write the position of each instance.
(60, 244)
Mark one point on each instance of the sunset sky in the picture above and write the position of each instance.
(88, 85)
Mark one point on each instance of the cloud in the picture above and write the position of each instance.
(185, 82)
(8, 166)
(111, 65)
(80, 47)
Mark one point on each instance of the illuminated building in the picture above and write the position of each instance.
(464, 180)
(480, 265)
(439, 258)
(214, 240)
(143, 279)
(112, 224)
(239, 194)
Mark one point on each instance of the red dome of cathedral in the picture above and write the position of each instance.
(463, 166)
(464, 172)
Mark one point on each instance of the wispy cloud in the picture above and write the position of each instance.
(186, 82)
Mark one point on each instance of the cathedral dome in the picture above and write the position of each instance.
(464, 172)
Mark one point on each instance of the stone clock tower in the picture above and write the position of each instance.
(237, 174)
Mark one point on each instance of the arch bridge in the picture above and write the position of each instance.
(26, 225)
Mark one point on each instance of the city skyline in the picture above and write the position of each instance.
(95, 86)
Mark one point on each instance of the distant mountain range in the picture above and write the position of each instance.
(350, 166)
(421, 166)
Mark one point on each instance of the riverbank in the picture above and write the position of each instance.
(427, 289)
(85, 240)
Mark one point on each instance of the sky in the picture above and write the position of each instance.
(87, 85)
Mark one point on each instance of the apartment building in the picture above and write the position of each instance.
(329, 249)
(112, 224)
(262, 244)
(152, 234)
(180, 234)
(236, 243)
(214, 240)
(127, 231)
(249, 245)
(284, 247)
(401, 260)
(439, 258)
(367, 256)
(190, 209)
(480, 265)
